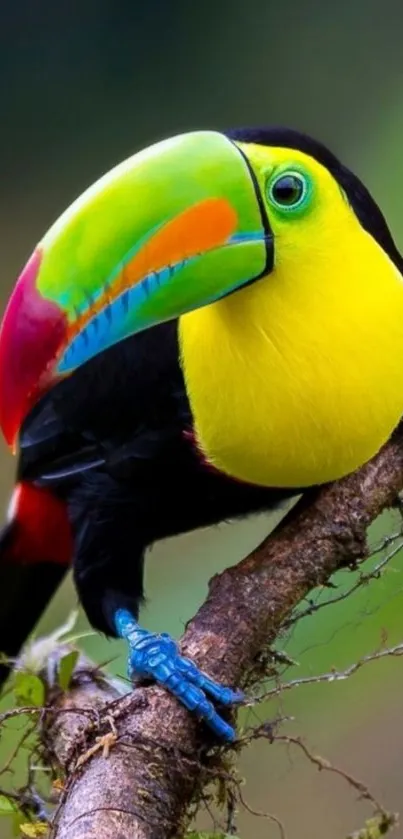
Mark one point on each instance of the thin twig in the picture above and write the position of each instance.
(363, 579)
(323, 764)
(331, 676)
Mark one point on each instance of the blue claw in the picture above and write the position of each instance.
(157, 656)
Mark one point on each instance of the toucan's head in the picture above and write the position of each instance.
(176, 227)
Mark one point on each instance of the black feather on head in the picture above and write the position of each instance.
(362, 202)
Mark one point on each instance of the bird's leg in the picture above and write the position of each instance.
(157, 656)
(111, 536)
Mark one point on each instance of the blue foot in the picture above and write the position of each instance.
(157, 656)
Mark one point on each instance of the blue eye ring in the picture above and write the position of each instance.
(289, 190)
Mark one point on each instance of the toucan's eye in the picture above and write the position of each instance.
(288, 191)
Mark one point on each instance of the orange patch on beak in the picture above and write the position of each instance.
(200, 228)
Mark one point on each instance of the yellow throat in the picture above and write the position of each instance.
(298, 379)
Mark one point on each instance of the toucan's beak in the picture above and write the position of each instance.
(173, 228)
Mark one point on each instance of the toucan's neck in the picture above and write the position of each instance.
(298, 379)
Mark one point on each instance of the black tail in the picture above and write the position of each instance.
(35, 555)
(25, 593)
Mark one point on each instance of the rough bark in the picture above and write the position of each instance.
(142, 788)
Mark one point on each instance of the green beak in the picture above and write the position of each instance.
(173, 228)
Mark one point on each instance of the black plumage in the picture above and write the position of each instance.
(115, 441)
(152, 482)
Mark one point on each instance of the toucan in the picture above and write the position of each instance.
(212, 327)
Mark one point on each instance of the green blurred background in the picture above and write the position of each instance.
(85, 84)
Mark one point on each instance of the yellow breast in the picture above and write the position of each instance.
(298, 379)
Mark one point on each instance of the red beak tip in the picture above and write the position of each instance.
(31, 334)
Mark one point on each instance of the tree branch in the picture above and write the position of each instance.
(152, 759)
